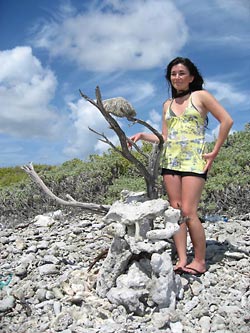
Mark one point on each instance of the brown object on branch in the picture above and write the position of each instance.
(119, 107)
(29, 169)
(149, 173)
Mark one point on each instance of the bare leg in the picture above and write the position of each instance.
(180, 240)
(191, 192)
(173, 185)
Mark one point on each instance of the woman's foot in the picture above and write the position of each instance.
(195, 268)
(180, 266)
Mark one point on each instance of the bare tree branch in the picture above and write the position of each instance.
(120, 133)
(150, 173)
(29, 169)
(106, 140)
(152, 129)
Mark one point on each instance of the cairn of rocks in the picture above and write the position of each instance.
(138, 272)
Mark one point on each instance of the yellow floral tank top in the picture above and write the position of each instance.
(185, 141)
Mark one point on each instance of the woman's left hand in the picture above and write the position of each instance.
(209, 157)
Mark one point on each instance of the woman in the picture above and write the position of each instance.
(184, 163)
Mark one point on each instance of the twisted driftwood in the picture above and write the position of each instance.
(71, 202)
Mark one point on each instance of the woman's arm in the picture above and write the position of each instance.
(144, 137)
(210, 104)
(152, 137)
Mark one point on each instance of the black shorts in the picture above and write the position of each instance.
(183, 173)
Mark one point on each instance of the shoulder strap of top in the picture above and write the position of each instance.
(190, 103)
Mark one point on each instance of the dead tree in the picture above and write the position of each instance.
(150, 172)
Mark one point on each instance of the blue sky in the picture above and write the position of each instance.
(51, 49)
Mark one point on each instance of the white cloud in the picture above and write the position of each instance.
(222, 23)
(117, 35)
(84, 142)
(26, 89)
(134, 91)
(235, 8)
(213, 134)
(227, 95)
(101, 146)
(155, 120)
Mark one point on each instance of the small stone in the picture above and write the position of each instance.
(197, 287)
(7, 303)
(160, 319)
(176, 327)
(62, 321)
(48, 269)
(191, 304)
(20, 244)
(205, 323)
(4, 240)
(41, 294)
(49, 295)
(21, 271)
(166, 233)
(57, 307)
(235, 255)
(43, 245)
(31, 249)
(43, 221)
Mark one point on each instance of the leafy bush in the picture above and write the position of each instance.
(228, 182)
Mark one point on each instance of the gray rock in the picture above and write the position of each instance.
(119, 106)
(127, 297)
(43, 221)
(21, 271)
(7, 303)
(41, 294)
(205, 323)
(176, 327)
(48, 269)
(147, 246)
(166, 233)
(114, 265)
(135, 278)
(62, 322)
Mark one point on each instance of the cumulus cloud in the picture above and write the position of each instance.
(155, 120)
(217, 23)
(213, 134)
(26, 89)
(239, 8)
(227, 94)
(134, 91)
(116, 35)
(84, 142)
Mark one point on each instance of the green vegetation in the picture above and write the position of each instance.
(102, 178)
(227, 188)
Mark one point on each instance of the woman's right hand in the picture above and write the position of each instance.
(136, 137)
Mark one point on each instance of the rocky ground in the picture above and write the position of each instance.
(48, 274)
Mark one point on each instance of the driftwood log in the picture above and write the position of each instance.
(121, 108)
(29, 169)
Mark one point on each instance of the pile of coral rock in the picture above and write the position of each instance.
(85, 273)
